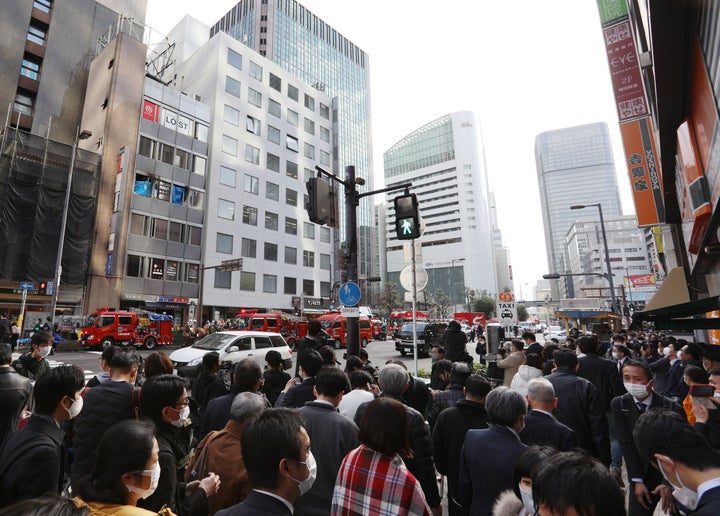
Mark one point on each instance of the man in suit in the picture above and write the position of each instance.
(684, 457)
(295, 395)
(645, 481)
(531, 346)
(580, 406)
(541, 427)
(488, 456)
(279, 463)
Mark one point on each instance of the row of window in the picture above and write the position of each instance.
(172, 155)
(148, 186)
(248, 249)
(231, 115)
(161, 269)
(163, 229)
(230, 146)
(223, 279)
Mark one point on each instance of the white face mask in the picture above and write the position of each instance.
(666, 352)
(154, 475)
(682, 494)
(183, 419)
(75, 408)
(716, 394)
(637, 390)
(614, 355)
(527, 499)
(44, 351)
(305, 485)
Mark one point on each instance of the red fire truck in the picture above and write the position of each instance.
(107, 326)
(289, 326)
(399, 317)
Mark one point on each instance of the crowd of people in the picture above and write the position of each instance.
(551, 434)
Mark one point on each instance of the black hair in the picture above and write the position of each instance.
(125, 447)
(574, 480)
(549, 351)
(5, 353)
(477, 386)
(528, 461)
(528, 335)
(159, 392)
(212, 359)
(125, 359)
(311, 361)
(439, 347)
(696, 374)
(618, 337)
(694, 349)
(353, 363)
(518, 344)
(565, 358)
(667, 433)
(588, 344)
(107, 353)
(443, 366)
(279, 426)
(274, 358)
(534, 360)
(247, 373)
(45, 506)
(360, 378)
(363, 354)
(331, 381)
(328, 354)
(314, 327)
(40, 337)
(649, 373)
(623, 349)
(53, 386)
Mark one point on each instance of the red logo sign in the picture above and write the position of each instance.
(150, 111)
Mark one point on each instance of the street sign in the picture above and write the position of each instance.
(421, 278)
(235, 264)
(507, 309)
(349, 294)
(27, 285)
(407, 251)
(350, 311)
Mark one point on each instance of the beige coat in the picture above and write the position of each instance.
(511, 364)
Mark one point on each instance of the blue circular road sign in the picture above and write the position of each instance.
(349, 294)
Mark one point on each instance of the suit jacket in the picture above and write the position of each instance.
(544, 430)
(297, 396)
(580, 408)
(709, 503)
(674, 379)
(660, 367)
(486, 467)
(511, 364)
(535, 347)
(603, 374)
(257, 504)
(625, 414)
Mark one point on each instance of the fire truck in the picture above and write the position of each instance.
(107, 327)
(400, 317)
(289, 326)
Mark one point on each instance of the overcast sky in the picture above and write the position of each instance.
(523, 67)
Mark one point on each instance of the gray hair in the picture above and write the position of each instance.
(504, 406)
(246, 405)
(540, 389)
(393, 379)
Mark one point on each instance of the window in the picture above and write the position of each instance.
(253, 125)
(229, 145)
(171, 270)
(291, 143)
(272, 191)
(325, 261)
(146, 147)
(254, 97)
(248, 248)
(252, 154)
(324, 158)
(309, 126)
(274, 134)
(324, 289)
(271, 252)
(324, 111)
(201, 131)
(290, 226)
(224, 243)
(293, 92)
(290, 197)
(30, 69)
(291, 169)
(251, 184)
(325, 134)
(308, 258)
(135, 266)
(227, 176)
(309, 102)
(179, 193)
(175, 233)
(291, 255)
(274, 108)
(308, 287)
(195, 199)
(192, 272)
(309, 151)
(159, 229)
(269, 285)
(223, 279)
(292, 117)
(255, 71)
(273, 162)
(232, 86)
(249, 215)
(138, 224)
(234, 59)
(162, 190)
(231, 115)
(182, 159)
(308, 174)
(167, 153)
(290, 286)
(226, 209)
(194, 235)
(199, 164)
(36, 34)
(247, 281)
(309, 230)
(43, 5)
(275, 82)
(157, 268)
(325, 234)
(271, 221)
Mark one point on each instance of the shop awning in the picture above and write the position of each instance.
(673, 291)
(682, 316)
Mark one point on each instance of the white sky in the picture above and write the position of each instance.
(523, 66)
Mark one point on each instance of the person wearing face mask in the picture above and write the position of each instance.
(661, 366)
(165, 402)
(646, 487)
(279, 464)
(32, 462)
(34, 364)
(518, 501)
(127, 470)
(684, 458)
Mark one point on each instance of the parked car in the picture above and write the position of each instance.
(232, 346)
(552, 331)
(428, 334)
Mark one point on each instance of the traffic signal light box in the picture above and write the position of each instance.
(407, 219)
(319, 200)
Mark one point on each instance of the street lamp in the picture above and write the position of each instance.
(452, 272)
(613, 301)
(79, 135)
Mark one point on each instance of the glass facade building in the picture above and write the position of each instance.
(308, 48)
(574, 166)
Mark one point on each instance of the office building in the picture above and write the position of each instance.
(574, 166)
(503, 266)
(443, 161)
(309, 49)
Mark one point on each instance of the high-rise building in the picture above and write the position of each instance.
(443, 161)
(297, 40)
(574, 166)
(503, 267)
